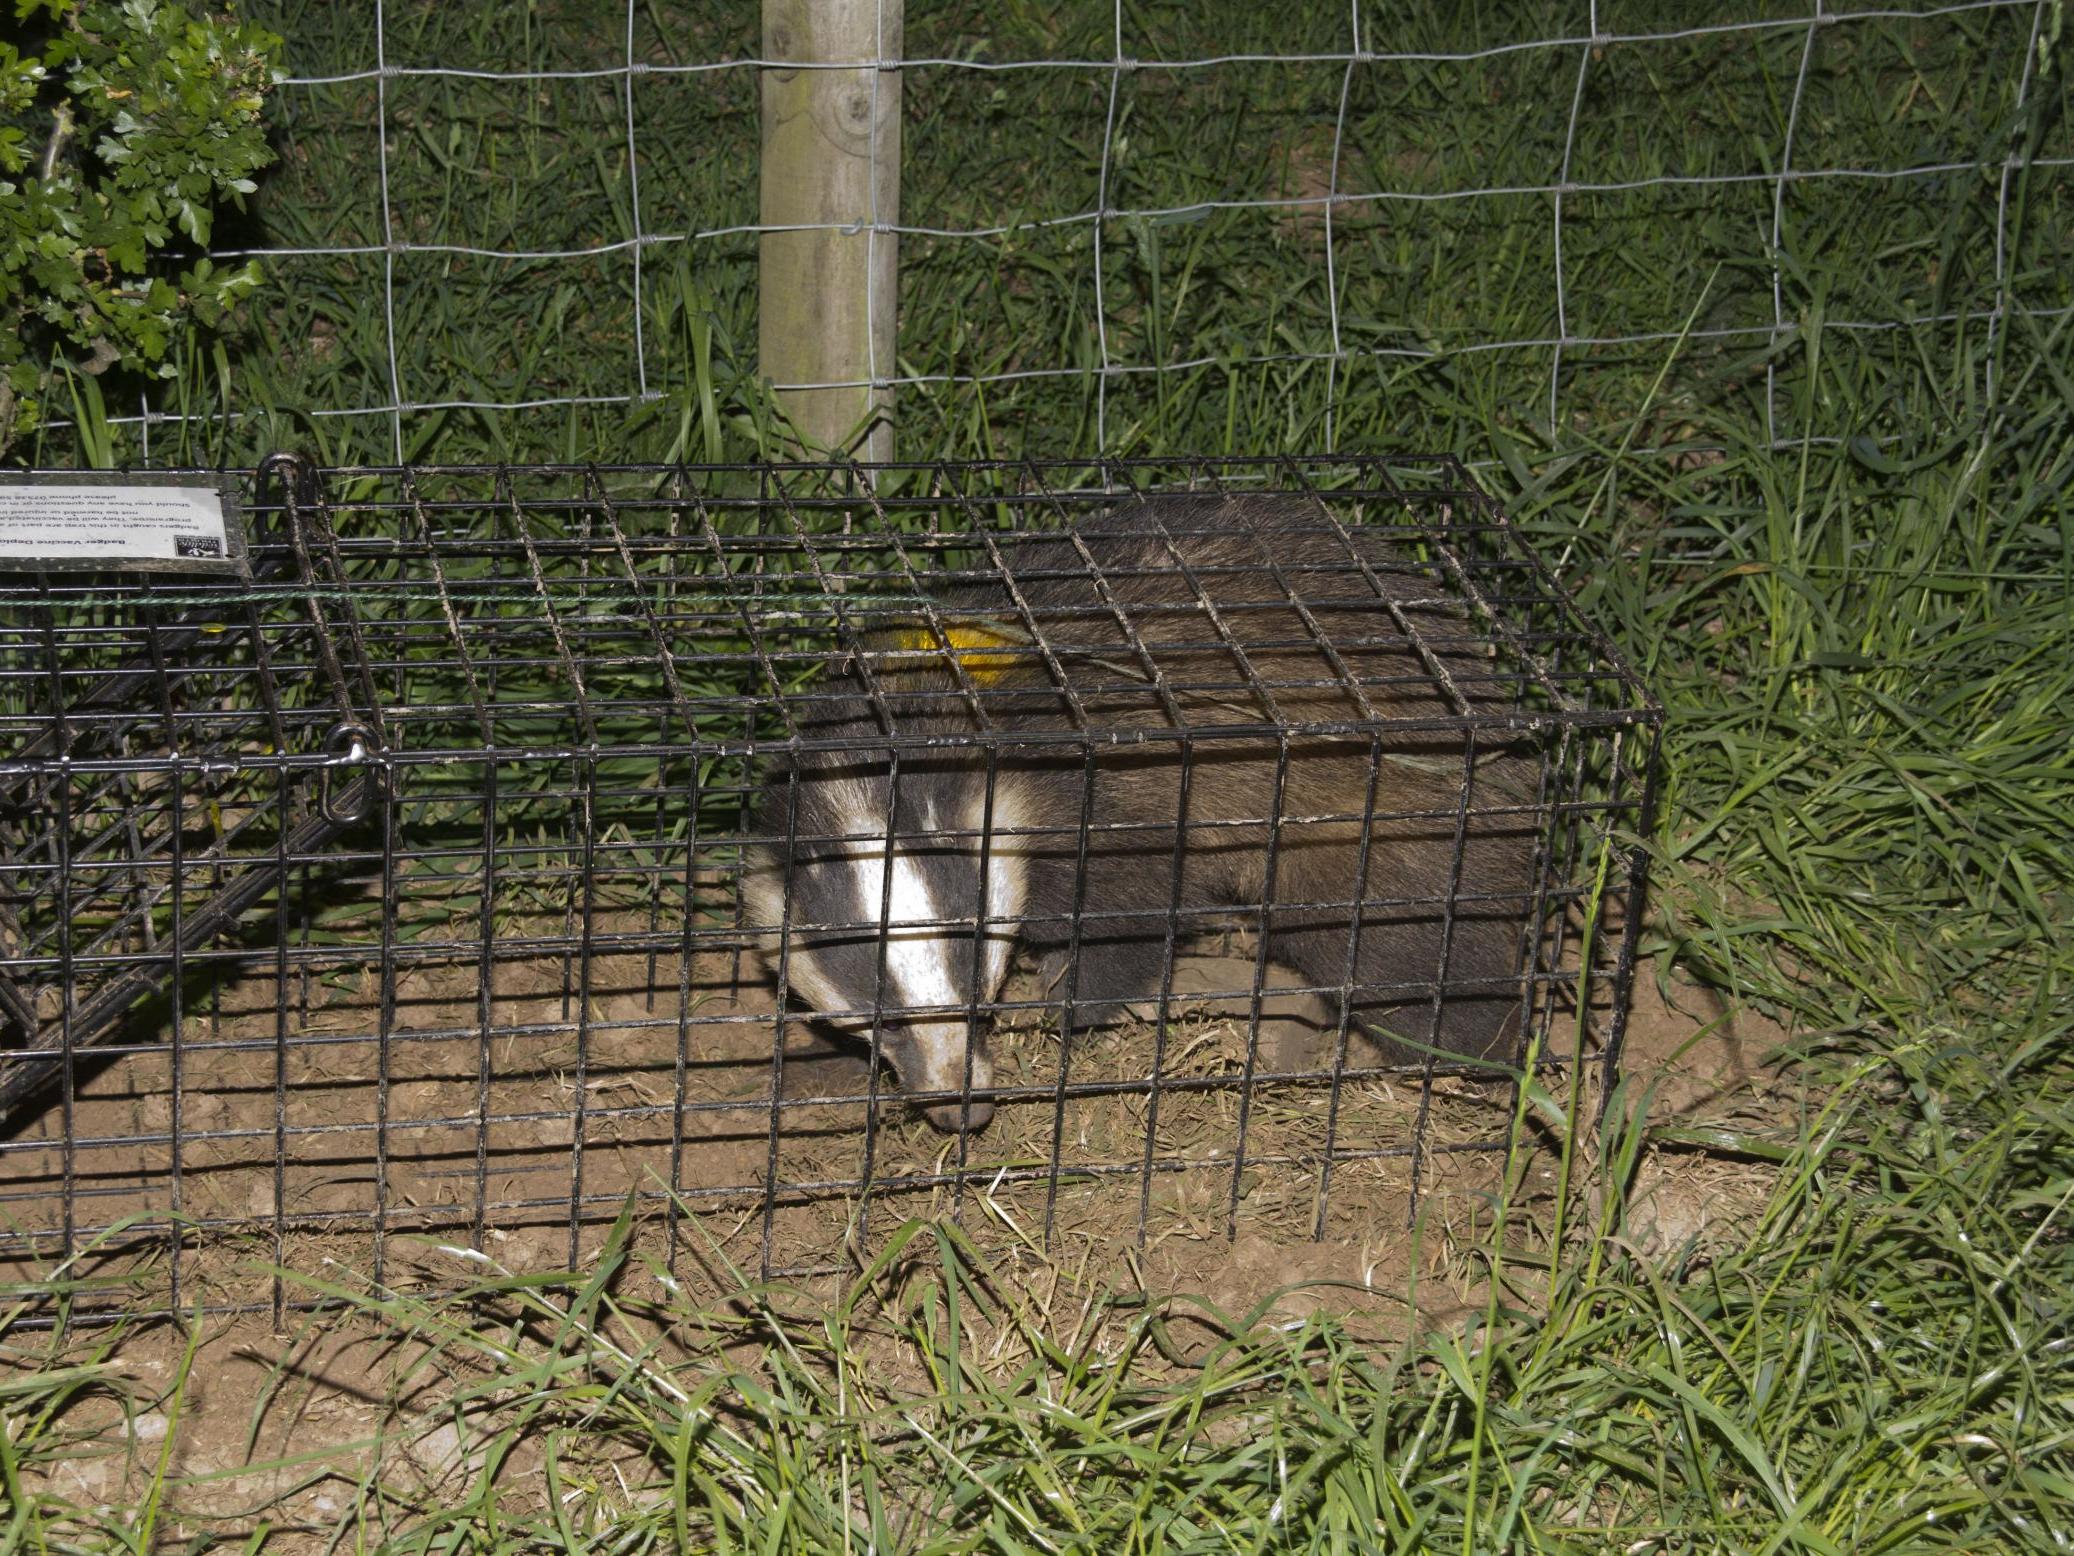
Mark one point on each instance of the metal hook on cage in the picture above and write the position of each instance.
(291, 480)
(349, 746)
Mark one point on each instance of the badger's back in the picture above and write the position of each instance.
(1257, 616)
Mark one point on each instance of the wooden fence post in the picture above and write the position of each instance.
(831, 155)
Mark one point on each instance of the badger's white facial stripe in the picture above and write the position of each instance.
(920, 934)
(917, 968)
(1006, 870)
(917, 960)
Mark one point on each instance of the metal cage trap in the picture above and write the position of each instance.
(443, 877)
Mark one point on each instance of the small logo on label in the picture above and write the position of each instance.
(197, 545)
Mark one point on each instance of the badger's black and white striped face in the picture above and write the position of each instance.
(913, 931)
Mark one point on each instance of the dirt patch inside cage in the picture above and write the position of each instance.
(513, 1106)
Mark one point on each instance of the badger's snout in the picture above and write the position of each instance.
(930, 1057)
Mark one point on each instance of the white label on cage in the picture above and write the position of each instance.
(119, 526)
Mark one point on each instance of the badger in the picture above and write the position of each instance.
(1102, 738)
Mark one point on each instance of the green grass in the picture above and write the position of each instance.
(1431, 280)
(1846, 564)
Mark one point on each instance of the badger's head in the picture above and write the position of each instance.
(905, 927)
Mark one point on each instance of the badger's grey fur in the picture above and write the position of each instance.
(1200, 581)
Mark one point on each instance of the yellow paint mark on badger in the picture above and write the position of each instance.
(971, 643)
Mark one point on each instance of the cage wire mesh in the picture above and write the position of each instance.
(1385, 145)
(412, 887)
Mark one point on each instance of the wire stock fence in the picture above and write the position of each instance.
(1375, 188)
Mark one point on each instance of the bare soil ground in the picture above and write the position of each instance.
(301, 1123)
(460, 1144)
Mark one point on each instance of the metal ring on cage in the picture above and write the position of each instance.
(349, 745)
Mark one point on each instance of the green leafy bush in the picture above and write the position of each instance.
(124, 127)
